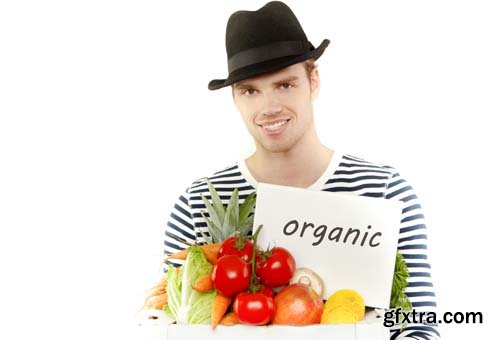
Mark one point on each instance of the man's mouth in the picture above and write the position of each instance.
(274, 126)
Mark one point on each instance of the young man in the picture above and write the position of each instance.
(274, 83)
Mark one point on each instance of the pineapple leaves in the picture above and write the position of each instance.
(247, 207)
(226, 221)
(246, 226)
(208, 238)
(230, 224)
(213, 229)
(218, 206)
(212, 213)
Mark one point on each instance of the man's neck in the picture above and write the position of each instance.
(299, 167)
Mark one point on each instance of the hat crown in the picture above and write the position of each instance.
(264, 41)
(271, 23)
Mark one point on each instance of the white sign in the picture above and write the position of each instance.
(349, 241)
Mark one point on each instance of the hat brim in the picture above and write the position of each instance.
(266, 67)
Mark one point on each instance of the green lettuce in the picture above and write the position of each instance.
(185, 305)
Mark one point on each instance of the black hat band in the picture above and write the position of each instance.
(268, 52)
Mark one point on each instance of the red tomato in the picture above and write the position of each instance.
(231, 275)
(254, 308)
(277, 269)
(230, 246)
(266, 291)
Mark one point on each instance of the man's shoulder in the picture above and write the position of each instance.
(227, 176)
(351, 161)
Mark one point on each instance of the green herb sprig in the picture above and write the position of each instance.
(399, 299)
(399, 284)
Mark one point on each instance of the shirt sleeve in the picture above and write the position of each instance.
(179, 231)
(412, 244)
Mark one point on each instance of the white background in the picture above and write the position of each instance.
(106, 118)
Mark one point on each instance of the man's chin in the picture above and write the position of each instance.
(276, 147)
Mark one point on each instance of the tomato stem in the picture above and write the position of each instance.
(254, 286)
(240, 241)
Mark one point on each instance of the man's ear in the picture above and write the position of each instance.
(315, 84)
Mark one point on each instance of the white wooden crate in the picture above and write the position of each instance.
(161, 328)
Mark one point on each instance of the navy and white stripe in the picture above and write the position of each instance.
(353, 176)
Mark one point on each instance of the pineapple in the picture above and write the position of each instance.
(232, 220)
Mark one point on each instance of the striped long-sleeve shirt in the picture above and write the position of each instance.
(345, 174)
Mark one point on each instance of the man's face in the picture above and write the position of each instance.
(277, 107)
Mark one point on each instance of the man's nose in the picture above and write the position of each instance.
(272, 105)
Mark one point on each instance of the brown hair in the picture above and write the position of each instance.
(309, 65)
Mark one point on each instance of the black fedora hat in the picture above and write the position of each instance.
(263, 41)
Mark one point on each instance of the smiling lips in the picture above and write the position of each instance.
(275, 127)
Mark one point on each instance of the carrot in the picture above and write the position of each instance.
(229, 319)
(161, 301)
(156, 291)
(159, 288)
(156, 302)
(150, 300)
(203, 284)
(209, 250)
(219, 308)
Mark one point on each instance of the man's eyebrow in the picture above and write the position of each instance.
(281, 81)
(286, 80)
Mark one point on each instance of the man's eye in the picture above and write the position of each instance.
(249, 91)
(287, 85)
